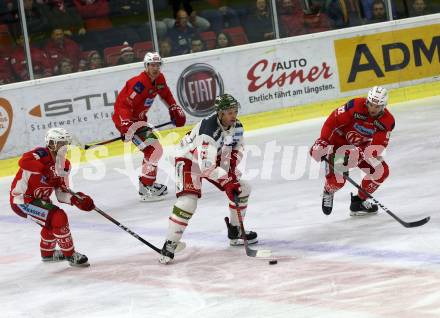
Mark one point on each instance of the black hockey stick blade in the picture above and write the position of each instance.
(249, 251)
(402, 222)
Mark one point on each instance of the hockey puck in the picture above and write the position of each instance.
(273, 262)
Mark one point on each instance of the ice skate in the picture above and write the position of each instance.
(327, 202)
(167, 252)
(234, 235)
(57, 256)
(359, 207)
(78, 260)
(155, 192)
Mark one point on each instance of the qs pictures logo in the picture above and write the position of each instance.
(5, 121)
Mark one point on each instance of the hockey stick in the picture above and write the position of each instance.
(180, 246)
(249, 252)
(405, 224)
(119, 138)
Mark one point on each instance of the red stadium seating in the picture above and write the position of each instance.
(112, 54)
(209, 39)
(238, 35)
(141, 48)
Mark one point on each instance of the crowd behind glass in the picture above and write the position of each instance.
(66, 36)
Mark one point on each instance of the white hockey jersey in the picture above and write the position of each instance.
(210, 146)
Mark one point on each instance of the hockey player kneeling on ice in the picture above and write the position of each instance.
(41, 171)
(131, 113)
(211, 151)
(356, 134)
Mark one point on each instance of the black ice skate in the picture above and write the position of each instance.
(234, 235)
(78, 260)
(57, 256)
(359, 207)
(167, 252)
(327, 202)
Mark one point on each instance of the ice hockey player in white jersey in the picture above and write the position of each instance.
(211, 151)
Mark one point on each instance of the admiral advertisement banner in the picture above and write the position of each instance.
(263, 77)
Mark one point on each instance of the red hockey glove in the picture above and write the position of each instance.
(51, 178)
(319, 149)
(232, 188)
(125, 126)
(84, 203)
(177, 115)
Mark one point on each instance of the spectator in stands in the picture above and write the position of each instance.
(379, 12)
(165, 47)
(259, 24)
(181, 34)
(95, 13)
(94, 60)
(197, 44)
(66, 18)
(127, 55)
(177, 4)
(315, 20)
(65, 66)
(418, 8)
(40, 63)
(199, 23)
(37, 22)
(221, 18)
(223, 40)
(6, 75)
(60, 46)
(344, 13)
(291, 18)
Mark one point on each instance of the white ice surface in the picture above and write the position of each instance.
(328, 266)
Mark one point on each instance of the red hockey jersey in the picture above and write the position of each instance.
(29, 182)
(351, 124)
(137, 96)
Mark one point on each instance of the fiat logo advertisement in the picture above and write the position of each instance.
(197, 87)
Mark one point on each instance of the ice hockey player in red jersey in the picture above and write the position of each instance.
(211, 151)
(356, 134)
(132, 106)
(41, 171)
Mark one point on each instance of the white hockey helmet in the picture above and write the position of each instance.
(56, 135)
(152, 57)
(378, 96)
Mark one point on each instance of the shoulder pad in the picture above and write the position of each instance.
(238, 124)
(40, 152)
(139, 87)
(349, 105)
(210, 127)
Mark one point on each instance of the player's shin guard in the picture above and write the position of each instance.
(47, 247)
(183, 210)
(234, 231)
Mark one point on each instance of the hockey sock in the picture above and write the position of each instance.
(369, 186)
(61, 231)
(178, 221)
(47, 243)
(242, 203)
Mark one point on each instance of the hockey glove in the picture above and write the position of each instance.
(84, 203)
(232, 188)
(52, 179)
(319, 149)
(177, 115)
(125, 126)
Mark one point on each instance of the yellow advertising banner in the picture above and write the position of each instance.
(388, 57)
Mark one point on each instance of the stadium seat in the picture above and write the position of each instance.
(237, 34)
(5, 37)
(140, 48)
(112, 54)
(209, 38)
